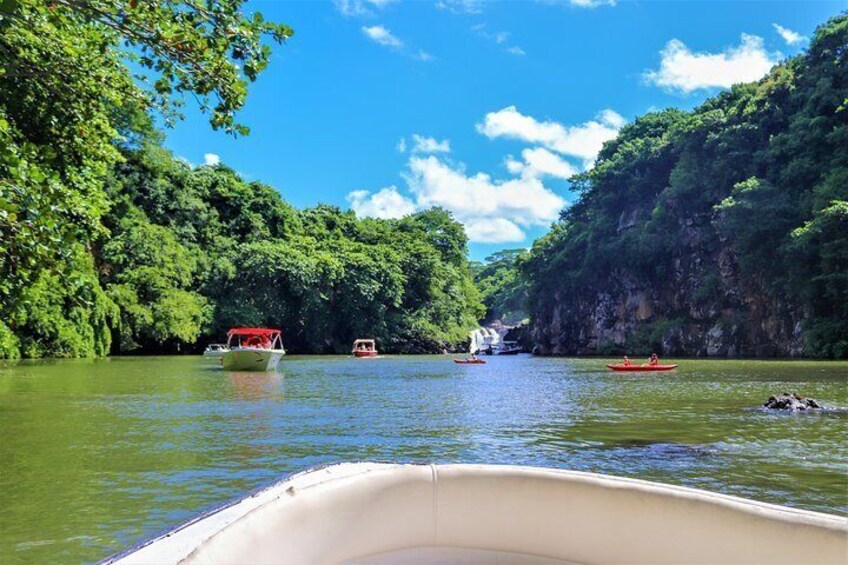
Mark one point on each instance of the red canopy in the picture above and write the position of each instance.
(253, 331)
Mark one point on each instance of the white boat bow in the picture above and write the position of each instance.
(390, 513)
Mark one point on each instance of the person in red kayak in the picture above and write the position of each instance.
(627, 362)
(654, 360)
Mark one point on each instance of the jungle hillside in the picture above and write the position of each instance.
(717, 232)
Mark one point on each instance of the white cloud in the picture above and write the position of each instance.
(524, 201)
(492, 211)
(515, 50)
(421, 144)
(493, 230)
(360, 7)
(789, 36)
(211, 159)
(382, 36)
(385, 203)
(687, 71)
(583, 141)
(401, 145)
(539, 162)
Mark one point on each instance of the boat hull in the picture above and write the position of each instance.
(252, 359)
(469, 361)
(641, 368)
(386, 513)
(365, 354)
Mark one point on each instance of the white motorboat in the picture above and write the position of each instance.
(215, 351)
(253, 349)
(388, 513)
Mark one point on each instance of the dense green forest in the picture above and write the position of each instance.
(720, 231)
(502, 287)
(110, 244)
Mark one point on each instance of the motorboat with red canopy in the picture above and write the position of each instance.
(253, 349)
(364, 348)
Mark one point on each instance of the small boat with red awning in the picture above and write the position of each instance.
(364, 348)
(253, 349)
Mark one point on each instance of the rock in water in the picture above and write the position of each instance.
(789, 401)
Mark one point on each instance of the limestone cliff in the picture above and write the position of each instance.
(704, 308)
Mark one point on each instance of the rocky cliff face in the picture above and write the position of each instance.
(702, 308)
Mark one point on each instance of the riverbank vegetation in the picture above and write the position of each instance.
(110, 244)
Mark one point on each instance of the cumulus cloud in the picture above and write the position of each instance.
(539, 162)
(421, 144)
(385, 203)
(525, 201)
(583, 141)
(492, 211)
(789, 36)
(515, 51)
(684, 70)
(211, 159)
(401, 145)
(382, 36)
(493, 230)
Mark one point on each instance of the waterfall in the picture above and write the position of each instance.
(477, 340)
(483, 339)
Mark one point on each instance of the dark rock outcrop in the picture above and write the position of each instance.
(791, 402)
(703, 307)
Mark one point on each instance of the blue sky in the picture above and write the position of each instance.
(497, 103)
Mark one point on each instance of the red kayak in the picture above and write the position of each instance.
(641, 367)
(469, 361)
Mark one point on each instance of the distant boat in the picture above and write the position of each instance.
(364, 348)
(469, 361)
(635, 368)
(215, 351)
(253, 349)
(388, 513)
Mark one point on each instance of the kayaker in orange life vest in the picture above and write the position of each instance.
(654, 359)
(627, 361)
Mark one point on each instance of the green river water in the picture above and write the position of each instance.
(97, 454)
